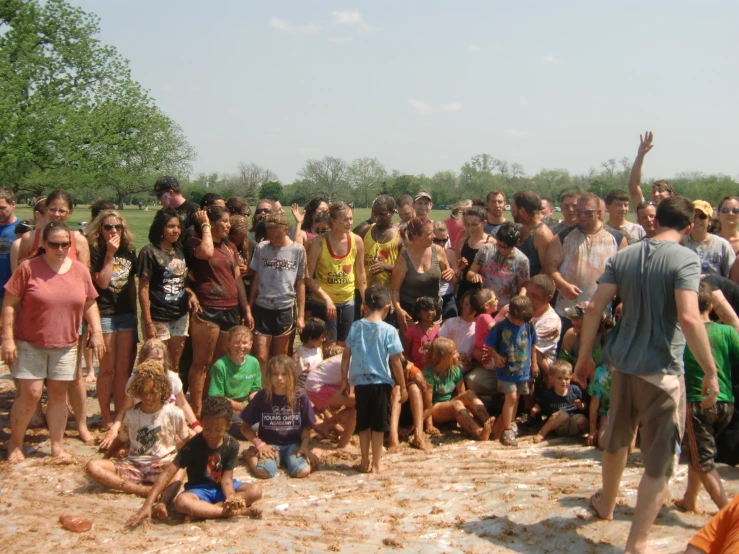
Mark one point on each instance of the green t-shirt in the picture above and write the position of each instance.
(725, 348)
(600, 387)
(233, 381)
(444, 387)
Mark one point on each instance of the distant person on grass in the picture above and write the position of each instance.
(647, 386)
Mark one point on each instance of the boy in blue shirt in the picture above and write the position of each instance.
(372, 349)
(511, 344)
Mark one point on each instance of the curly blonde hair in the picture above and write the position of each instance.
(95, 236)
(150, 370)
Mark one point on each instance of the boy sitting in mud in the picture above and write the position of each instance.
(154, 429)
(209, 458)
(563, 403)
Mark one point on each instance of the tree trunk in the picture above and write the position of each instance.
(120, 200)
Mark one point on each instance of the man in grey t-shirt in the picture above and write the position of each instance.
(657, 280)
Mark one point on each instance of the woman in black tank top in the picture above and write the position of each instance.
(474, 226)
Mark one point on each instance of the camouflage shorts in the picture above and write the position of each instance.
(702, 426)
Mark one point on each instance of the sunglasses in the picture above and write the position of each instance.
(585, 212)
(726, 210)
(321, 231)
(441, 241)
(57, 245)
(262, 211)
(701, 215)
(109, 227)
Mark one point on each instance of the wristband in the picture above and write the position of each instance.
(204, 225)
(257, 443)
(194, 424)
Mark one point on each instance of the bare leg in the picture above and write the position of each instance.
(415, 397)
(348, 420)
(262, 344)
(649, 500)
(712, 483)
(89, 363)
(377, 439)
(475, 406)
(78, 399)
(364, 445)
(103, 471)
(604, 501)
(28, 393)
(252, 460)
(509, 410)
(395, 406)
(204, 337)
(125, 352)
(554, 422)
(56, 414)
(174, 348)
(280, 345)
(104, 385)
(190, 505)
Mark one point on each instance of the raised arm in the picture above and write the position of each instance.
(206, 248)
(645, 145)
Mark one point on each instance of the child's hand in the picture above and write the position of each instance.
(592, 438)
(144, 514)
(538, 439)
(307, 453)
(110, 436)
(499, 360)
(579, 403)
(266, 452)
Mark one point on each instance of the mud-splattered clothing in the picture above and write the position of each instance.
(116, 299)
(166, 273)
(215, 283)
(502, 273)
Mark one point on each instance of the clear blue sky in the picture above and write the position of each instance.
(423, 86)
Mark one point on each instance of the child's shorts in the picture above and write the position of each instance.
(57, 364)
(702, 426)
(373, 407)
(320, 398)
(507, 387)
(287, 457)
(273, 322)
(138, 471)
(571, 428)
(168, 329)
(213, 494)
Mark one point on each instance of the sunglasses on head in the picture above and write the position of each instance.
(262, 211)
(701, 215)
(57, 245)
(110, 227)
(726, 210)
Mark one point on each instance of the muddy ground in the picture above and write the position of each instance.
(461, 497)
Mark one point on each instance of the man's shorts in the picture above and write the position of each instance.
(572, 427)
(118, 322)
(373, 407)
(507, 387)
(273, 323)
(140, 472)
(213, 494)
(482, 381)
(702, 426)
(225, 319)
(57, 364)
(168, 329)
(320, 398)
(655, 404)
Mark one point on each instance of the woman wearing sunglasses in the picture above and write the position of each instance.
(728, 218)
(113, 269)
(44, 304)
(263, 209)
(716, 254)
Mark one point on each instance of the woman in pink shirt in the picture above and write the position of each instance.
(45, 300)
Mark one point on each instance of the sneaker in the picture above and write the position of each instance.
(508, 438)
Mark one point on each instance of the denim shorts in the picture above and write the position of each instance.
(288, 458)
(213, 494)
(168, 329)
(337, 328)
(120, 322)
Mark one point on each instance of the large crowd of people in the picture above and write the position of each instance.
(579, 327)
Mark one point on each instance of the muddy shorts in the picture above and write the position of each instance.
(57, 364)
(272, 322)
(225, 319)
(655, 403)
(572, 427)
(507, 387)
(373, 407)
(168, 329)
(702, 426)
(139, 471)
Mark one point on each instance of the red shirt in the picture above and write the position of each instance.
(215, 284)
(419, 341)
(52, 304)
(455, 228)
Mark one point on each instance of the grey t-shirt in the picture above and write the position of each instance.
(716, 254)
(632, 231)
(278, 269)
(648, 338)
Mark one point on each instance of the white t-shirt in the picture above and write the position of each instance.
(174, 381)
(153, 437)
(548, 329)
(461, 332)
(307, 359)
(328, 372)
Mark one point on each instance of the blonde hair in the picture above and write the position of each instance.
(560, 368)
(440, 226)
(333, 350)
(95, 236)
(238, 330)
(459, 207)
(148, 346)
(286, 363)
(438, 350)
(150, 370)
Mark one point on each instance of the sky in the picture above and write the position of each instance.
(424, 86)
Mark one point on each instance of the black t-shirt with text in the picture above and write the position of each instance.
(205, 466)
(116, 299)
(166, 273)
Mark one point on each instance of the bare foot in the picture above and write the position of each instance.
(487, 429)
(59, 452)
(420, 443)
(393, 443)
(323, 430)
(252, 512)
(379, 468)
(362, 467)
(15, 454)
(538, 439)
(159, 511)
(85, 435)
(596, 502)
(685, 506)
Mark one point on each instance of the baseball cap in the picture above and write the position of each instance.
(703, 206)
(422, 194)
(164, 184)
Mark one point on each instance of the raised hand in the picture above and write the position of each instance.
(645, 143)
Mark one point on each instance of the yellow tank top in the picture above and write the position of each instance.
(335, 274)
(386, 252)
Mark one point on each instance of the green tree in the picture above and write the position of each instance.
(327, 177)
(366, 176)
(271, 189)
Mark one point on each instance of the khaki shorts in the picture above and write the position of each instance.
(168, 329)
(57, 364)
(521, 387)
(571, 427)
(656, 403)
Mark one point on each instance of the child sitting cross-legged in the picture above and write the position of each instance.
(407, 417)
(209, 459)
(446, 393)
(563, 403)
(324, 390)
(236, 375)
(309, 354)
(154, 428)
(285, 418)
(511, 345)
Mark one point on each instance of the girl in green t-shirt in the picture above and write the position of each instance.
(448, 396)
